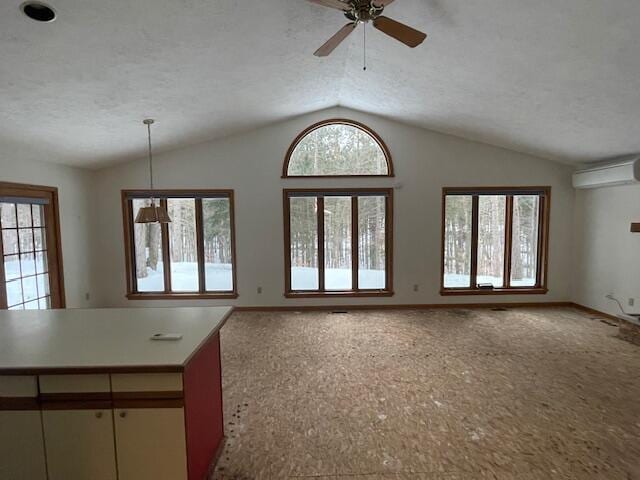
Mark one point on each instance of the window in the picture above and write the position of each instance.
(338, 148)
(495, 240)
(31, 267)
(193, 256)
(338, 242)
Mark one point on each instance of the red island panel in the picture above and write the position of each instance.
(203, 408)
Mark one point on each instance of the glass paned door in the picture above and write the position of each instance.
(29, 251)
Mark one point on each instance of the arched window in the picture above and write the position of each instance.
(338, 148)
(338, 241)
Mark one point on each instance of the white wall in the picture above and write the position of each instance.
(74, 197)
(607, 257)
(251, 164)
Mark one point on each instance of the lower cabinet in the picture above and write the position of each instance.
(147, 444)
(151, 443)
(113, 426)
(80, 444)
(21, 445)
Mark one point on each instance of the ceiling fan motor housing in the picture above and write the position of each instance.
(363, 11)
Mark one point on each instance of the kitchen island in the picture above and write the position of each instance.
(88, 394)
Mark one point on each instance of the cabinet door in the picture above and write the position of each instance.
(151, 443)
(21, 446)
(79, 444)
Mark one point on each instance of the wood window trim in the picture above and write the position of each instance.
(127, 219)
(543, 239)
(338, 121)
(53, 238)
(320, 193)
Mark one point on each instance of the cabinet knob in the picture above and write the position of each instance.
(98, 414)
(123, 414)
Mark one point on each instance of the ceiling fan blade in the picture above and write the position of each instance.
(334, 41)
(401, 32)
(333, 4)
(382, 3)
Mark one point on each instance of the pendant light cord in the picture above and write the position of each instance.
(148, 123)
(364, 50)
(150, 158)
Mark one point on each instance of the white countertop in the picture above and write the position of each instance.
(109, 339)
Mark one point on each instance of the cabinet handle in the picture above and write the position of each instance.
(98, 414)
(123, 414)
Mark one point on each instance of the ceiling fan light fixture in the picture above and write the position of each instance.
(363, 12)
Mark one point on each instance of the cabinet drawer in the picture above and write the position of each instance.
(18, 386)
(146, 382)
(74, 383)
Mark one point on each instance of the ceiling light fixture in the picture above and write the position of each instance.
(153, 213)
(38, 11)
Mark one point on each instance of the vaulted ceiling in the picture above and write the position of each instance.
(559, 79)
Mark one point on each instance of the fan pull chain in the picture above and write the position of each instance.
(364, 50)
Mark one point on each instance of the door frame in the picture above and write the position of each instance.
(53, 238)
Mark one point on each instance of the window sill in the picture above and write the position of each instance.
(338, 176)
(347, 294)
(495, 291)
(182, 296)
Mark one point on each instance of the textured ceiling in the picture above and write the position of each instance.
(556, 79)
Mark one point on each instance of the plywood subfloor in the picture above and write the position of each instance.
(438, 394)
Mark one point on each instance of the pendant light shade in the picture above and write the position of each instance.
(153, 213)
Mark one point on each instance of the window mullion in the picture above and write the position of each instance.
(354, 243)
(475, 202)
(287, 241)
(200, 245)
(508, 238)
(3, 280)
(388, 242)
(133, 278)
(542, 246)
(166, 257)
(320, 208)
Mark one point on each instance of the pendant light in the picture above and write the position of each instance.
(153, 213)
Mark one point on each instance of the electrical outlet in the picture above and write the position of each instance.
(415, 287)
(259, 290)
(631, 302)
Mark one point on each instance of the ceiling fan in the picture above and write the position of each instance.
(363, 11)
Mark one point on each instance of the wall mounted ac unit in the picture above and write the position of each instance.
(619, 173)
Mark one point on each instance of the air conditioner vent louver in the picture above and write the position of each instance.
(620, 173)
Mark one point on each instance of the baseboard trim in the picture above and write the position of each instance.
(418, 306)
(592, 311)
